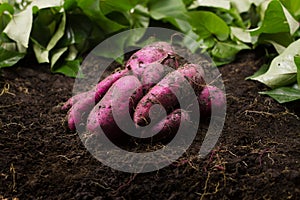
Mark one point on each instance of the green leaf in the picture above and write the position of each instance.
(276, 20)
(119, 5)
(263, 69)
(293, 6)
(207, 43)
(279, 48)
(226, 50)
(283, 39)
(115, 47)
(284, 94)
(19, 28)
(6, 12)
(73, 52)
(42, 53)
(70, 4)
(244, 5)
(57, 54)
(41, 4)
(44, 26)
(9, 58)
(297, 62)
(293, 23)
(188, 2)
(9, 46)
(81, 32)
(181, 24)
(69, 68)
(225, 4)
(190, 41)
(207, 23)
(241, 34)
(58, 34)
(283, 69)
(241, 6)
(6, 7)
(138, 17)
(91, 8)
(159, 9)
(219, 61)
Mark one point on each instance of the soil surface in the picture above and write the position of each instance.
(256, 157)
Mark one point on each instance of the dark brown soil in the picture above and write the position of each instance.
(257, 156)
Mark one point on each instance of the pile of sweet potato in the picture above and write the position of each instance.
(154, 75)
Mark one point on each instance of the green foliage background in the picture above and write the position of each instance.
(61, 32)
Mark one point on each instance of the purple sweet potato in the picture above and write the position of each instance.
(194, 74)
(84, 102)
(153, 73)
(71, 101)
(102, 114)
(79, 110)
(168, 126)
(98, 91)
(103, 86)
(156, 52)
(209, 96)
(163, 92)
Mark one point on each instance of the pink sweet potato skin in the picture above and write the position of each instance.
(156, 52)
(104, 85)
(194, 74)
(83, 103)
(102, 114)
(71, 101)
(211, 95)
(79, 110)
(153, 73)
(98, 92)
(168, 126)
(162, 93)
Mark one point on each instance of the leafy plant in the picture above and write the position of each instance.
(61, 32)
(283, 72)
(279, 27)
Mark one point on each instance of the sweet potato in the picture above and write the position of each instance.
(168, 126)
(153, 73)
(103, 86)
(79, 110)
(98, 91)
(84, 102)
(157, 52)
(163, 92)
(103, 115)
(71, 101)
(211, 95)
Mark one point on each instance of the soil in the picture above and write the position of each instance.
(256, 157)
